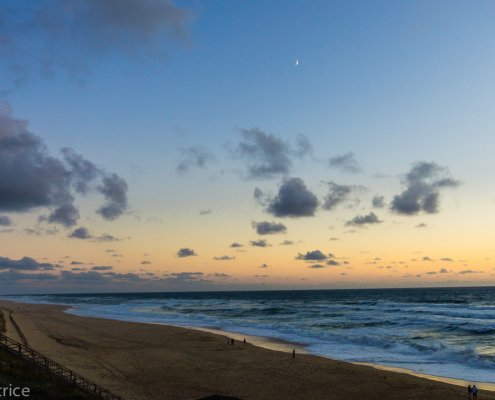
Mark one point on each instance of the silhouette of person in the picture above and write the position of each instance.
(232, 342)
(244, 340)
(470, 392)
(475, 392)
(293, 353)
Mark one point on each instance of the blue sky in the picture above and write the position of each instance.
(392, 82)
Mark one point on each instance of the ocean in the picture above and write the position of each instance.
(447, 332)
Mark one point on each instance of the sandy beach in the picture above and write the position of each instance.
(145, 361)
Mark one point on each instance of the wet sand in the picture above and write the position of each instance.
(146, 361)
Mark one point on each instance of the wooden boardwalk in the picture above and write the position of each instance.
(57, 369)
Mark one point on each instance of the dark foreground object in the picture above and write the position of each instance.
(42, 385)
(217, 397)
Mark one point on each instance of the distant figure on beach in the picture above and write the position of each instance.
(475, 392)
(244, 340)
(293, 353)
(470, 392)
(232, 342)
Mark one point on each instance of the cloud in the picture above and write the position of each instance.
(45, 38)
(421, 225)
(267, 155)
(5, 221)
(194, 157)
(106, 237)
(345, 163)
(186, 252)
(286, 243)
(259, 243)
(268, 228)
(204, 212)
(333, 263)
(378, 201)
(443, 271)
(468, 271)
(31, 178)
(101, 268)
(263, 266)
(236, 245)
(24, 264)
(145, 262)
(361, 220)
(447, 259)
(315, 255)
(316, 266)
(114, 189)
(338, 194)
(293, 200)
(224, 258)
(80, 233)
(423, 182)
(181, 277)
(334, 239)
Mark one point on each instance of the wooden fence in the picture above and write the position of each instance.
(55, 368)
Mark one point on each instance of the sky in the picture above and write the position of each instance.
(150, 145)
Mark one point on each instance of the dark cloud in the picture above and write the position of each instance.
(224, 258)
(24, 264)
(83, 171)
(263, 266)
(259, 196)
(378, 201)
(345, 163)
(47, 37)
(468, 271)
(186, 252)
(181, 277)
(268, 228)
(5, 221)
(294, 199)
(145, 262)
(204, 212)
(236, 245)
(114, 189)
(333, 263)
(80, 233)
(423, 184)
(421, 225)
(76, 263)
(30, 178)
(101, 268)
(315, 255)
(426, 258)
(259, 243)
(361, 220)
(443, 271)
(447, 259)
(106, 237)
(316, 266)
(267, 155)
(334, 239)
(338, 194)
(194, 157)
(286, 243)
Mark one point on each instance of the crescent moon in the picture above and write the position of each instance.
(297, 62)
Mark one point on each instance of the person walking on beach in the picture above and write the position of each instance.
(475, 392)
(470, 392)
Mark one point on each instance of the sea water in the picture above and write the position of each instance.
(447, 332)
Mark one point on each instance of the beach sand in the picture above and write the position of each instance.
(146, 361)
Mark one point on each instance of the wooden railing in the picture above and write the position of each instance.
(57, 369)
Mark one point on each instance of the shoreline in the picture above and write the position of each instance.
(285, 346)
(276, 344)
(131, 357)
